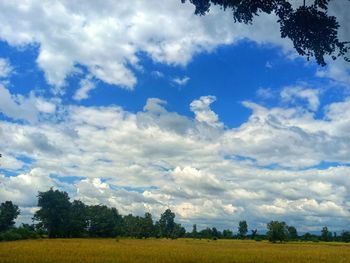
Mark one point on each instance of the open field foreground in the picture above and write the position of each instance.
(181, 250)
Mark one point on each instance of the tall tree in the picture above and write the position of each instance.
(103, 221)
(54, 212)
(147, 227)
(277, 231)
(167, 224)
(194, 233)
(242, 229)
(8, 214)
(313, 32)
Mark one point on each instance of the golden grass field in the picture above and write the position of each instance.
(181, 250)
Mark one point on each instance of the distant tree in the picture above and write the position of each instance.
(254, 232)
(292, 233)
(227, 234)
(206, 233)
(194, 233)
(326, 235)
(178, 231)
(8, 214)
(345, 236)
(103, 221)
(313, 32)
(78, 219)
(54, 212)
(167, 224)
(215, 233)
(147, 227)
(242, 229)
(132, 226)
(277, 231)
(309, 237)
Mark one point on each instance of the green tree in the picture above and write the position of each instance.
(242, 229)
(54, 212)
(167, 224)
(345, 236)
(254, 233)
(277, 231)
(227, 234)
(78, 219)
(103, 221)
(8, 214)
(313, 32)
(178, 231)
(147, 227)
(292, 233)
(326, 235)
(194, 233)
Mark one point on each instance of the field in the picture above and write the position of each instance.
(182, 250)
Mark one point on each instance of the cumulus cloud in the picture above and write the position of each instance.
(291, 94)
(107, 37)
(208, 173)
(86, 85)
(23, 108)
(203, 113)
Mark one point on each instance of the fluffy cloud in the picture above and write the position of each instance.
(86, 85)
(24, 108)
(206, 173)
(203, 113)
(291, 94)
(107, 37)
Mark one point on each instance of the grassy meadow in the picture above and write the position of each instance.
(181, 250)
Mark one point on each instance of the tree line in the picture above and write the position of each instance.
(58, 217)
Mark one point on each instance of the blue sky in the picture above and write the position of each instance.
(218, 121)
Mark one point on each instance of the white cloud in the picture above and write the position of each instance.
(203, 113)
(107, 37)
(292, 94)
(181, 81)
(5, 68)
(23, 108)
(86, 85)
(155, 159)
(157, 74)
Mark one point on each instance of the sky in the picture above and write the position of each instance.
(143, 106)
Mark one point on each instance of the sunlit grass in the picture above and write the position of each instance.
(182, 250)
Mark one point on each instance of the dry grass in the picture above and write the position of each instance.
(182, 250)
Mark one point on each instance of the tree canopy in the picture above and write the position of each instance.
(8, 214)
(312, 30)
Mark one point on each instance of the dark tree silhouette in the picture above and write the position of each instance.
(78, 219)
(167, 224)
(326, 235)
(242, 229)
(103, 221)
(8, 214)
(277, 231)
(313, 32)
(254, 233)
(292, 233)
(54, 212)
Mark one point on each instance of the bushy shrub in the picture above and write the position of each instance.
(23, 232)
